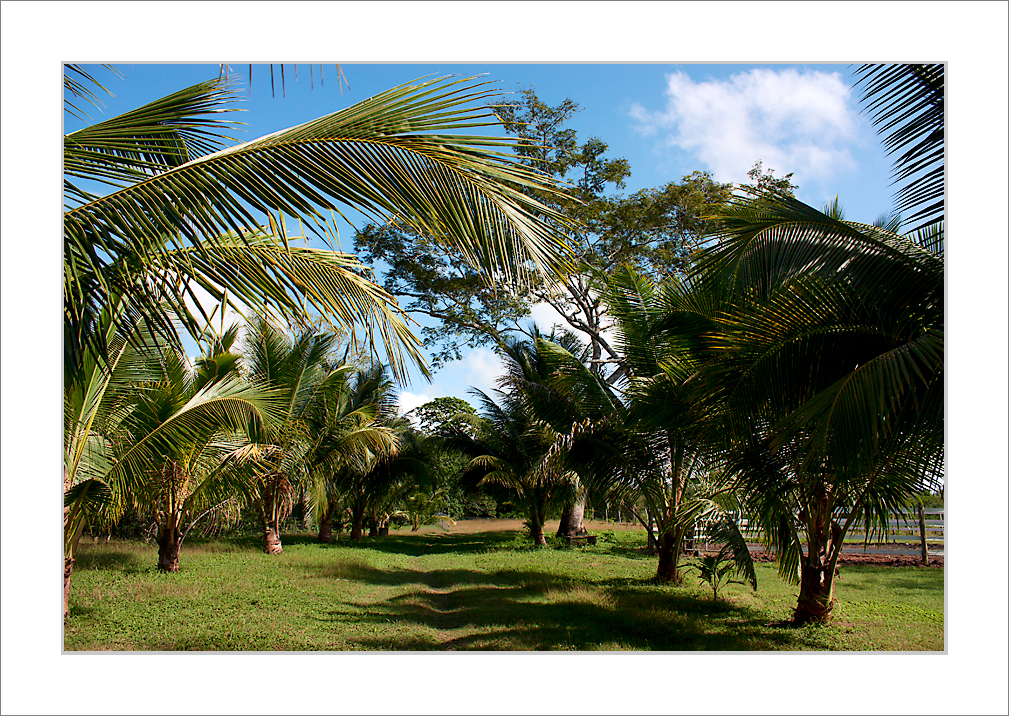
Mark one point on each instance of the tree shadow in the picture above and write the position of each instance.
(107, 559)
(418, 545)
(534, 610)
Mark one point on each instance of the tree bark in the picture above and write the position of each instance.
(169, 542)
(669, 556)
(357, 524)
(818, 566)
(271, 538)
(816, 595)
(562, 526)
(536, 532)
(326, 523)
(326, 528)
(572, 521)
(68, 568)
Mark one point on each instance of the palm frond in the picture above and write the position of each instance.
(383, 156)
(147, 141)
(907, 105)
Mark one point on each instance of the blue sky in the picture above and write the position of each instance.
(667, 120)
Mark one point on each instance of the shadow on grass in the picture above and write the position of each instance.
(108, 559)
(512, 618)
(413, 545)
(538, 610)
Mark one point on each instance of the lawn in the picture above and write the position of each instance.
(468, 590)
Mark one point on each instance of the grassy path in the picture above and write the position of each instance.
(467, 591)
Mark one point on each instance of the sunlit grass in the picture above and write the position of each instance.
(468, 591)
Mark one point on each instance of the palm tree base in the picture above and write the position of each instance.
(168, 557)
(816, 597)
(271, 541)
(68, 568)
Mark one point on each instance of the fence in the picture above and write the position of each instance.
(927, 528)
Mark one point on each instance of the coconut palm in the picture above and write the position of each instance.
(510, 447)
(394, 475)
(185, 433)
(90, 392)
(157, 203)
(531, 370)
(830, 373)
(143, 428)
(669, 441)
(278, 461)
(351, 434)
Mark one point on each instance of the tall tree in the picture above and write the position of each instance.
(653, 229)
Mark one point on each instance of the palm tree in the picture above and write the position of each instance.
(394, 475)
(907, 103)
(514, 449)
(184, 207)
(142, 427)
(279, 458)
(531, 368)
(185, 433)
(350, 436)
(669, 441)
(830, 373)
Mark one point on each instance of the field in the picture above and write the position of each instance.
(469, 589)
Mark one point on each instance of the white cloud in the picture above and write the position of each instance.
(545, 316)
(792, 121)
(407, 401)
(479, 368)
(483, 367)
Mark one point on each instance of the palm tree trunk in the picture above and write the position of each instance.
(816, 595)
(669, 556)
(169, 542)
(326, 523)
(271, 537)
(537, 518)
(818, 567)
(563, 525)
(536, 532)
(572, 521)
(326, 528)
(357, 522)
(68, 568)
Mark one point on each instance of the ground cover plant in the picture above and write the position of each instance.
(459, 590)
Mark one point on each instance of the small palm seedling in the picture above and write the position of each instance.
(716, 570)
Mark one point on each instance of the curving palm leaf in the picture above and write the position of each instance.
(907, 104)
(147, 141)
(386, 156)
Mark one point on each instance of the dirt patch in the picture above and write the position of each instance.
(464, 527)
(883, 560)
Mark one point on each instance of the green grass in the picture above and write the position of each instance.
(487, 591)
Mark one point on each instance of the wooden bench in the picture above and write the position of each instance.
(588, 539)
